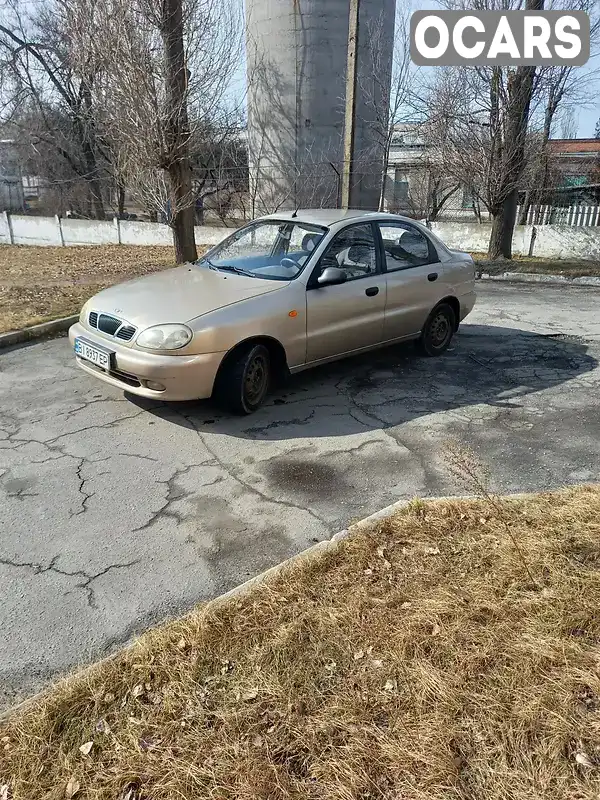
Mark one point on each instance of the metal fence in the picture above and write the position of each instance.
(577, 215)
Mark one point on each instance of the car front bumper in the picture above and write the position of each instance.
(183, 377)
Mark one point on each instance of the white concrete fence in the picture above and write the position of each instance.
(63, 231)
(546, 241)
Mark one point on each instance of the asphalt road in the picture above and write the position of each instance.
(116, 513)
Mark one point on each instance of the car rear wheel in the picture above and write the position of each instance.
(245, 382)
(438, 330)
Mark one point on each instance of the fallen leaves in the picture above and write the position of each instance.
(72, 788)
(381, 554)
(583, 759)
(102, 726)
(251, 694)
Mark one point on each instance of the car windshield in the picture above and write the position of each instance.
(271, 249)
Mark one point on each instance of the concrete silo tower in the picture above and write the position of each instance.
(297, 53)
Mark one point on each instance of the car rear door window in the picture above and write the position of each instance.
(405, 246)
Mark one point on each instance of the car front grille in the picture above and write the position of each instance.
(112, 326)
(125, 332)
(108, 324)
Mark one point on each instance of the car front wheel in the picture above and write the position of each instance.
(438, 330)
(245, 382)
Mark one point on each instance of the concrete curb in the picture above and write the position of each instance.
(37, 331)
(317, 550)
(532, 277)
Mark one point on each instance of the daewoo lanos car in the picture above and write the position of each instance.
(283, 293)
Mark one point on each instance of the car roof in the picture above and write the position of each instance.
(332, 216)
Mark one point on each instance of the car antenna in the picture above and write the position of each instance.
(295, 214)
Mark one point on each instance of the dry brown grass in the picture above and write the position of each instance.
(417, 660)
(574, 268)
(42, 283)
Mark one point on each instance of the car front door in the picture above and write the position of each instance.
(346, 316)
(414, 278)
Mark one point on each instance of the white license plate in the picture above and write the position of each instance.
(86, 351)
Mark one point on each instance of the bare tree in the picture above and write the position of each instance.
(167, 67)
(219, 161)
(48, 88)
(490, 113)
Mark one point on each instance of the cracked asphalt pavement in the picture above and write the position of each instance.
(116, 512)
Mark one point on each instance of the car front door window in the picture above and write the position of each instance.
(352, 250)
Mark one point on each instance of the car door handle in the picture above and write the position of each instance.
(372, 291)
(433, 276)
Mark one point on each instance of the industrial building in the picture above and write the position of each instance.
(297, 54)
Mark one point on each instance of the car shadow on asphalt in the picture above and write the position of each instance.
(486, 364)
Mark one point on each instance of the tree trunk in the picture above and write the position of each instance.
(87, 131)
(120, 200)
(177, 133)
(93, 181)
(182, 222)
(520, 89)
(503, 225)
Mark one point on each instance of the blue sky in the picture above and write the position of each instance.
(585, 116)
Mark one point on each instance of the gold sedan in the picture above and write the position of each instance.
(279, 295)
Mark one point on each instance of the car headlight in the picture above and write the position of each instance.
(164, 337)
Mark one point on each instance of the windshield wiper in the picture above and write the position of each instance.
(237, 270)
(209, 262)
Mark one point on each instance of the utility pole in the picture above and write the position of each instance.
(350, 111)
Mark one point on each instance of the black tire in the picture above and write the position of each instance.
(245, 381)
(438, 331)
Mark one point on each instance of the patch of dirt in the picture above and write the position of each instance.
(576, 268)
(42, 283)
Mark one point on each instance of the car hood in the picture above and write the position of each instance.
(178, 295)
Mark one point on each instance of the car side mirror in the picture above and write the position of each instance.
(331, 276)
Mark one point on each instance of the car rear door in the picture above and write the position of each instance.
(414, 278)
(347, 316)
